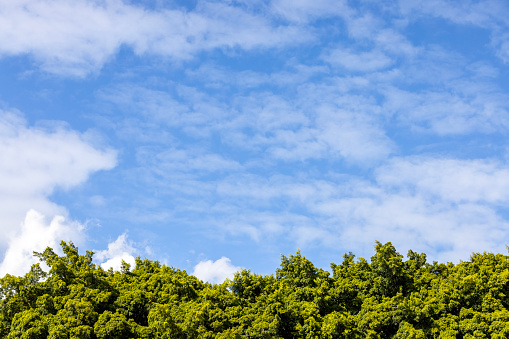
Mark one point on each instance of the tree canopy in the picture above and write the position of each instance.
(386, 297)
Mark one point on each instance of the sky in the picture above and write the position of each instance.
(215, 135)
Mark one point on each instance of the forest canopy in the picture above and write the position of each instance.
(386, 297)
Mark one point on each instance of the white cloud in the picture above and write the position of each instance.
(356, 136)
(336, 135)
(414, 202)
(75, 38)
(363, 25)
(332, 124)
(186, 160)
(188, 109)
(36, 161)
(483, 181)
(215, 271)
(447, 208)
(445, 232)
(215, 76)
(459, 108)
(359, 61)
(323, 122)
(118, 250)
(36, 234)
(479, 13)
(302, 11)
(488, 14)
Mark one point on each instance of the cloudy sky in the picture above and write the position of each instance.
(217, 134)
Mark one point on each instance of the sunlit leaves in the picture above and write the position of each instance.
(388, 297)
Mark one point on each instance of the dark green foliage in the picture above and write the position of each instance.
(388, 297)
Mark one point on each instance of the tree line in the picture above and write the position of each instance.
(386, 297)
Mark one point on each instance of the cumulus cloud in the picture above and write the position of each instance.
(215, 271)
(118, 251)
(36, 161)
(37, 233)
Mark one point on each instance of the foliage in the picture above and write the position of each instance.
(388, 297)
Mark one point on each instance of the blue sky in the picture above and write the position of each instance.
(214, 135)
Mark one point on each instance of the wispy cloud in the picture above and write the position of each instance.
(463, 108)
(491, 15)
(359, 62)
(303, 11)
(445, 207)
(80, 37)
(452, 180)
(190, 161)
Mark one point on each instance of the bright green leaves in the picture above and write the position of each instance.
(388, 297)
(339, 325)
(17, 296)
(161, 321)
(297, 271)
(407, 331)
(388, 271)
(134, 304)
(112, 326)
(28, 324)
(248, 286)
